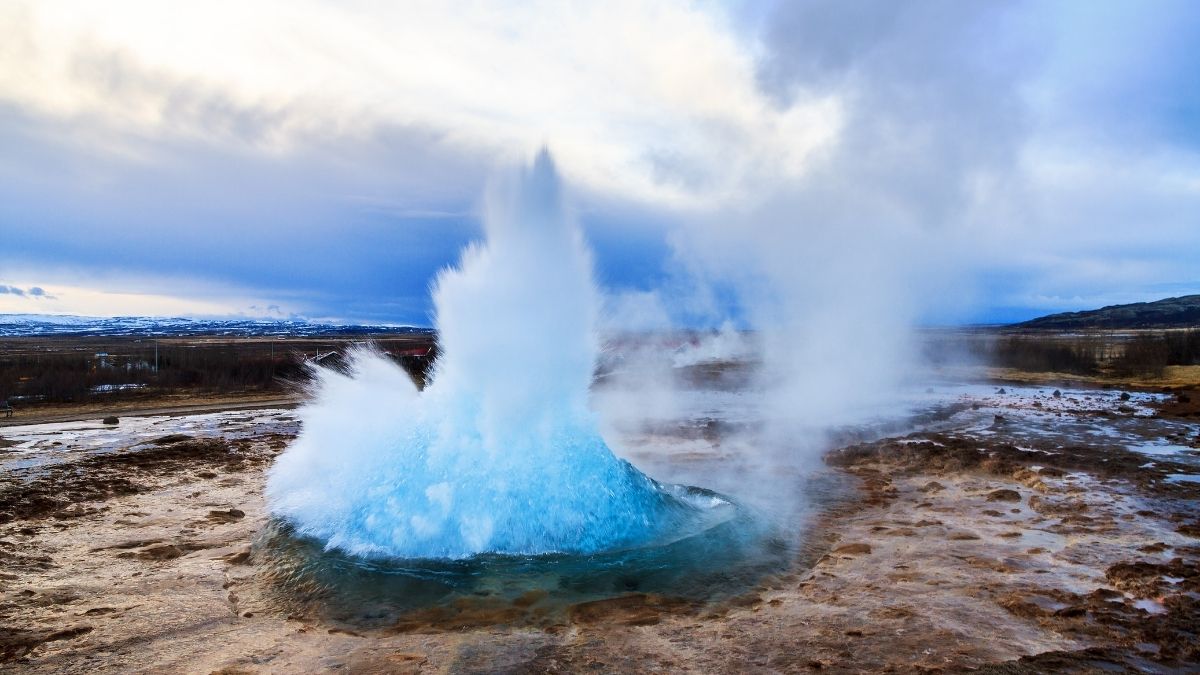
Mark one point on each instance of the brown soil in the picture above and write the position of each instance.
(957, 555)
(1173, 376)
(174, 404)
(1183, 402)
(74, 489)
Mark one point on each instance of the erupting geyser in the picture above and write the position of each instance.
(500, 453)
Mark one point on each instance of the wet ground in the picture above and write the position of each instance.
(1009, 529)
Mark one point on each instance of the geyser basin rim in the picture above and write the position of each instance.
(723, 556)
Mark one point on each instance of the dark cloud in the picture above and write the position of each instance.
(32, 292)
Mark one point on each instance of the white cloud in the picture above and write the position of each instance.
(115, 299)
(654, 101)
(1043, 145)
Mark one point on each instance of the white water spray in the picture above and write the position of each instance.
(500, 453)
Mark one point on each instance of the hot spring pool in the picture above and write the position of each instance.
(726, 554)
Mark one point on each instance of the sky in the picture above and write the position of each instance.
(994, 161)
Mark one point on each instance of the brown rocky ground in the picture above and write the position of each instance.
(959, 554)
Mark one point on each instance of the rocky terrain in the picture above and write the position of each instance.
(1017, 533)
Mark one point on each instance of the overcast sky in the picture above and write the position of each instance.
(325, 159)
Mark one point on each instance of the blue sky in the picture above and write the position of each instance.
(976, 161)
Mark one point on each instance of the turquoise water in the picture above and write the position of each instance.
(720, 553)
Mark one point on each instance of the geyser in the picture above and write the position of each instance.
(500, 452)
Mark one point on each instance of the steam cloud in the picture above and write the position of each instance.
(500, 453)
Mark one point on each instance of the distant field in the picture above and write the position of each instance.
(1145, 358)
(63, 375)
(57, 377)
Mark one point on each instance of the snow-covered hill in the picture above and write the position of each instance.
(17, 325)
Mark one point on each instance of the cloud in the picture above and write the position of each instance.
(33, 292)
(948, 181)
(1037, 144)
(129, 297)
(328, 157)
(658, 103)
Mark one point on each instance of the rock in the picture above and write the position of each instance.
(1056, 507)
(998, 419)
(172, 438)
(16, 642)
(1140, 578)
(73, 511)
(1189, 529)
(157, 552)
(1004, 495)
(853, 549)
(407, 656)
(1057, 394)
(232, 515)
(933, 486)
(1125, 396)
(963, 536)
(241, 557)
(1002, 391)
(111, 419)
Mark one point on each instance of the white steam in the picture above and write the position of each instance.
(500, 453)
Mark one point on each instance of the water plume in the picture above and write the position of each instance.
(500, 453)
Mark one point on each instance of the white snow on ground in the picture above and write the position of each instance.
(40, 443)
(1160, 449)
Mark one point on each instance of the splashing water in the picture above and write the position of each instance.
(500, 453)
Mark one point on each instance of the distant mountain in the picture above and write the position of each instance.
(1181, 312)
(24, 325)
